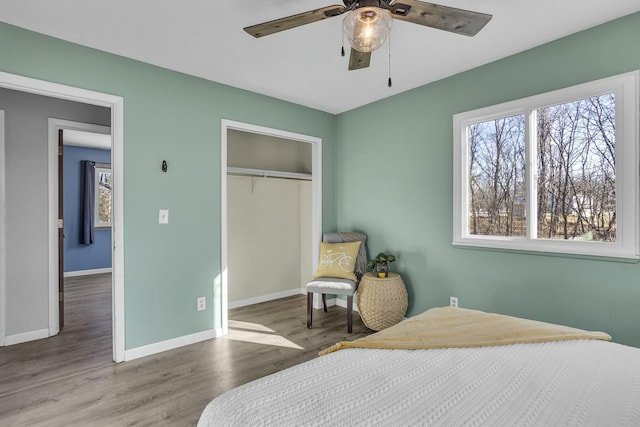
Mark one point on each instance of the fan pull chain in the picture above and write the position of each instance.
(389, 83)
(342, 51)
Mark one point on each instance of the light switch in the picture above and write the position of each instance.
(163, 216)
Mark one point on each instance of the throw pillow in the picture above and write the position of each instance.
(337, 260)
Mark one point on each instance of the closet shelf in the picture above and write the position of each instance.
(268, 173)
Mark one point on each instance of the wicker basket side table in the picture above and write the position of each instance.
(382, 302)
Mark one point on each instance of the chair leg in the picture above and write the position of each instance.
(309, 309)
(324, 302)
(350, 313)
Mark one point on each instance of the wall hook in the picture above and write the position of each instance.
(164, 166)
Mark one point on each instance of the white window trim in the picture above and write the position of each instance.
(627, 245)
(96, 208)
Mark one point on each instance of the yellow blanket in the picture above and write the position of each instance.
(458, 327)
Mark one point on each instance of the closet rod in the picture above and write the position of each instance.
(268, 173)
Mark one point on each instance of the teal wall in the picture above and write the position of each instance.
(172, 116)
(399, 191)
(392, 179)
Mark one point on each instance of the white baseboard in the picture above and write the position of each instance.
(26, 336)
(317, 303)
(265, 298)
(87, 272)
(343, 303)
(148, 350)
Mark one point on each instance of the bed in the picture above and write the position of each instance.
(449, 367)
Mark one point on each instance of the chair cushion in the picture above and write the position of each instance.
(329, 285)
(337, 260)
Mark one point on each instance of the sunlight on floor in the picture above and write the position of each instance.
(236, 324)
(258, 334)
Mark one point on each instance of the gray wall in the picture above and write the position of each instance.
(26, 122)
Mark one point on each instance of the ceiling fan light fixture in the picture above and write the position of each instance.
(367, 28)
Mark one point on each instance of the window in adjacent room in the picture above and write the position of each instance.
(557, 172)
(103, 199)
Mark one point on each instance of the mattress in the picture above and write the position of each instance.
(562, 383)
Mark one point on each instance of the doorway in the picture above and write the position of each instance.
(3, 261)
(315, 144)
(115, 104)
(84, 248)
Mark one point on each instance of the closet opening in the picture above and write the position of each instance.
(270, 214)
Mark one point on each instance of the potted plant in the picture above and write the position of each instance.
(380, 264)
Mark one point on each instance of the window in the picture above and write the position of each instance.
(103, 185)
(557, 172)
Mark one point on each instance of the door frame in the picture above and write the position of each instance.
(54, 126)
(116, 105)
(221, 286)
(3, 259)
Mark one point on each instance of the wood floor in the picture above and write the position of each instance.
(84, 343)
(172, 388)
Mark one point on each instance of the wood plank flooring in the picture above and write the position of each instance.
(172, 388)
(85, 342)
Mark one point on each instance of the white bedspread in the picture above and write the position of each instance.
(566, 383)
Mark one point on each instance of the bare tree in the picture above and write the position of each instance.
(576, 169)
(497, 175)
(575, 172)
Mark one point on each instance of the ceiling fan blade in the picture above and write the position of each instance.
(445, 18)
(358, 60)
(293, 21)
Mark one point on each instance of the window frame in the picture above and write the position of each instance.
(97, 223)
(627, 244)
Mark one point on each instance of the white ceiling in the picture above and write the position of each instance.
(302, 65)
(80, 138)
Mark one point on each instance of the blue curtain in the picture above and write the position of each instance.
(87, 236)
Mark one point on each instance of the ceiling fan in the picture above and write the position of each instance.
(368, 22)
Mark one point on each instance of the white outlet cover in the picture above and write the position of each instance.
(201, 303)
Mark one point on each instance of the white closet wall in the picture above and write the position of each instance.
(268, 219)
(265, 240)
(306, 237)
